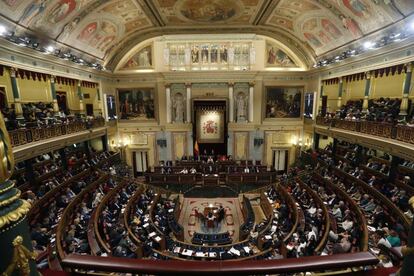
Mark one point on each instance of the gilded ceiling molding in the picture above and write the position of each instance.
(300, 49)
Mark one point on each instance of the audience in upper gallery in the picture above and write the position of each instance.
(379, 110)
(38, 115)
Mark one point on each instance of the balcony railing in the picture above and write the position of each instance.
(381, 129)
(24, 136)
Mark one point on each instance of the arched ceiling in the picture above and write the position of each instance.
(107, 29)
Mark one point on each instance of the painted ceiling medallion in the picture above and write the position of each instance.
(212, 11)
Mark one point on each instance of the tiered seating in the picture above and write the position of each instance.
(221, 238)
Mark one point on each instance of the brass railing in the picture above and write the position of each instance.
(381, 129)
(24, 136)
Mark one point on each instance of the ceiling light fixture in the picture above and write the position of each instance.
(3, 30)
(50, 49)
(368, 45)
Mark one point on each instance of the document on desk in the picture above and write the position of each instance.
(145, 225)
(246, 249)
(200, 254)
(177, 249)
(187, 252)
(152, 234)
(157, 238)
(268, 237)
(212, 254)
(235, 251)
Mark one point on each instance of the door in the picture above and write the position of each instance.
(140, 162)
(89, 109)
(61, 101)
(3, 99)
(280, 160)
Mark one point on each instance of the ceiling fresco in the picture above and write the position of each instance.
(102, 28)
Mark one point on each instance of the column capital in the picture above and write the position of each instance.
(13, 72)
(340, 79)
(252, 83)
(188, 84)
(167, 85)
(368, 75)
(52, 79)
(409, 66)
(230, 83)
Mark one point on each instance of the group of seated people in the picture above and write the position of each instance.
(304, 242)
(378, 166)
(43, 229)
(378, 218)
(396, 194)
(39, 115)
(379, 110)
(112, 225)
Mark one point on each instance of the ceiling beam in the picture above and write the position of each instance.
(265, 11)
(151, 11)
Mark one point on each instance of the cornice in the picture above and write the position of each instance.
(301, 49)
(28, 59)
(391, 55)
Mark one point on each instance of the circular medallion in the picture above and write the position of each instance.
(211, 11)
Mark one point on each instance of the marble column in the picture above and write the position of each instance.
(367, 91)
(188, 101)
(251, 101)
(341, 85)
(320, 101)
(168, 102)
(16, 92)
(231, 102)
(406, 90)
(80, 95)
(53, 90)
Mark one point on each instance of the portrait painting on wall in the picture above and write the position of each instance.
(275, 57)
(283, 102)
(210, 126)
(140, 60)
(136, 104)
(308, 105)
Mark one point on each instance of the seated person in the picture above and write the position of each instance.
(193, 170)
(184, 171)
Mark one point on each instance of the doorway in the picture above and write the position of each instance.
(3, 98)
(89, 109)
(140, 162)
(280, 160)
(62, 101)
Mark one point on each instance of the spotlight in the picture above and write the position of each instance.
(50, 49)
(3, 30)
(368, 45)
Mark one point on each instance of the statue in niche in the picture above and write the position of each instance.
(241, 105)
(178, 105)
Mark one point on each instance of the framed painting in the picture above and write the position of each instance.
(136, 103)
(210, 126)
(283, 102)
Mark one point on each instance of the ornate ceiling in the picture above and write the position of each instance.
(107, 29)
